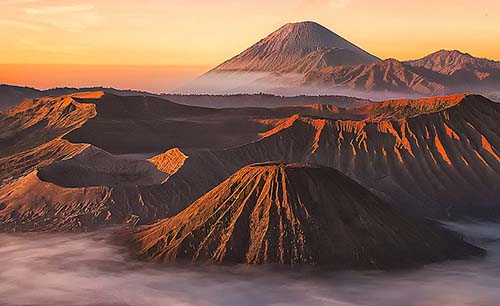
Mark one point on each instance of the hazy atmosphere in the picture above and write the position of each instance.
(83, 269)
(236, 153)
(183, 39)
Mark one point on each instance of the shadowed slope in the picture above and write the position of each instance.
(264, 100)
(10, 95)
(136, 124)
(295, 214)
(38, 121)
(50, 183)
(443, 162)
(86, 188)
(389, 75)
(307, 42)
(443, 72)
(95, 167)
(449, 62)
(436, 157)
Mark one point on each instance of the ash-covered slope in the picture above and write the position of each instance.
(138, 124)
(297, 48)
(11, 95)
(68, 187)
(442, 72)
(449, 62)
(436, 157)
(276, 63)
(56, 172)
(386, 76)
(296, 214)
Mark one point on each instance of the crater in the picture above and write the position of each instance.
(96, 167)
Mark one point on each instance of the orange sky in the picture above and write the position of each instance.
(158, 44)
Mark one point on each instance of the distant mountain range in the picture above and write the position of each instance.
(443, 72)
(11, 95)
(306, 57)
(78, 161)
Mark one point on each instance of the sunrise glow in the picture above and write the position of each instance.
(170, 41)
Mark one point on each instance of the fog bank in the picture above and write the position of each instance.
(85, 269)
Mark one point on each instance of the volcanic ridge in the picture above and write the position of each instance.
(296, 214)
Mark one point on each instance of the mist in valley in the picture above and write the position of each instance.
(292, 84)
(88, 269)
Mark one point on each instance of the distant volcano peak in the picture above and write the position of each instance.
(281, 50)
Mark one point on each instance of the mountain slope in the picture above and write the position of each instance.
(305, 57)
(443, 72)
(296, 214)
(389, 75)
(449, 62)
(57, 172)
(11, 95)
(279, 60)
(436, 157)
(292, 43)
(461, 71)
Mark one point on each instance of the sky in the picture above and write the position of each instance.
(157, 45)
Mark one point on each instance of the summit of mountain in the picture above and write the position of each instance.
(297, 48)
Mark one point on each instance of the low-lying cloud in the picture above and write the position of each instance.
(290, 84)
(86, 269)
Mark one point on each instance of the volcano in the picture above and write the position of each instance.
(292, 50)
(297, 47)
(296, 214)
(305, 57)
(89, 159)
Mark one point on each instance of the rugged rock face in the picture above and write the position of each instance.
(137, 124)
(449, 62)
(54, 177)
(389, 75)
(31, 133)
(11, 95)
(296, 214)
(297, 48)
(436, 157)
(442, 72)
(38, 121)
